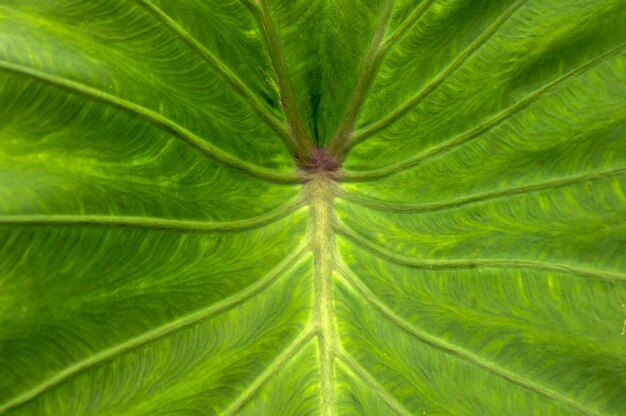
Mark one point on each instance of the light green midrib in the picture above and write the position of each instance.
(222, 69)
(321, 192)
(152, 223)
(158, 121)
(298, 256)
(353, 282)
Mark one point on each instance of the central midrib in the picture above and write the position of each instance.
(321, 190)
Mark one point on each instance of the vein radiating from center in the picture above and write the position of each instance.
(321, 192)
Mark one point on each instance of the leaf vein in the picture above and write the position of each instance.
(402, 208)
(450, 348)
(367, 379)
(470, 264)
(156, 120)
(222, 69)
(274, 368)
(369, 68)
(300, 144)
(157, 333)
(407, 25)
(153, 223)
(477, 131)
(386, 121)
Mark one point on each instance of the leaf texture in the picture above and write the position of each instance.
(289, 207)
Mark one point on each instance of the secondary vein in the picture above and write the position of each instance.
(300, 144)
(355, 283)
(373, 58)
(274, 368)
(479, 130)
(452, 264)
(404, 28)
(222, 69)
(386, 121)
(157, 333)
(152, 223)
(156, 120)
(403, 208)
(366, 378)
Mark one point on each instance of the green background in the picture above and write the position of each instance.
(161, 252)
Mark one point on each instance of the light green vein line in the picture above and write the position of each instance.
(152, 223)
(157, 333)
(469, 264)
(251, 5)
(233, 80)
(156, 120)
(274, 368)
(367, 379)
(301, 144)
(401, 208)
(476, 132)
(417, 14)
(321, 192)
(354, 282)
(369, 68)
(368, 131)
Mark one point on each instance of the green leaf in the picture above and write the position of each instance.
(312, 207)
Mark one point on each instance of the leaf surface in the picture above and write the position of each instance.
(291, 207)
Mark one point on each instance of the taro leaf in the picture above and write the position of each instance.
(304, 207)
